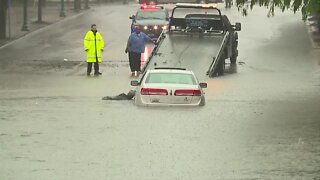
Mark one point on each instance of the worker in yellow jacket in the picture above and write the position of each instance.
(93, 45)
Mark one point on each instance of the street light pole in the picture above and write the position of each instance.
(77, 5)
(62, 12)
(25, 15)
(40, 4)
(3, 19)
(86, 6)
(9, 19)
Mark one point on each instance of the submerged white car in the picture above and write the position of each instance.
(169, 87)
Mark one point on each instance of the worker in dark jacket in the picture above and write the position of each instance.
(135, 46)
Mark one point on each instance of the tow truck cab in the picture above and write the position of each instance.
(152, 20)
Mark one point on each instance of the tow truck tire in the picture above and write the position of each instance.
(221, 67)
(202, 102)
(233, 58)
(236, 36)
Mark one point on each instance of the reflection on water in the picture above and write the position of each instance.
(146, 54)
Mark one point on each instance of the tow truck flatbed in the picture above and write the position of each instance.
(198, 42)
(191, 51)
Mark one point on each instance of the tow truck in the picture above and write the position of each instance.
(198, 38)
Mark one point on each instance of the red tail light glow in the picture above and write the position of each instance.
(153, 91)
(187, 92)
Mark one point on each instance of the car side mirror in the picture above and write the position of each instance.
(132, 17)
(134, 83)
(238, 26)
(203, 85)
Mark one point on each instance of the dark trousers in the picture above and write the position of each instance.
(135, 61)
(228, 3)
(96, 67)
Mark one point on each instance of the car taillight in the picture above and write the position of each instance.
(153, 91)
(187, 92)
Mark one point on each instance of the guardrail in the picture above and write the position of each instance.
(219, 57)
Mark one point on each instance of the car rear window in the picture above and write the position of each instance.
(171, 78)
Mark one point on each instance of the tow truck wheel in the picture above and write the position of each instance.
(202, 102)
(233, 58)
(221, 67)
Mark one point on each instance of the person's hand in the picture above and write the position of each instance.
(126, 51)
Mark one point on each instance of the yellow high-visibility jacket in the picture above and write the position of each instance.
(93, 44)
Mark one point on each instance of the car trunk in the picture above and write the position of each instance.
(175, 94)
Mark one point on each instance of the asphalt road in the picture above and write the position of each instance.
(261, 121)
